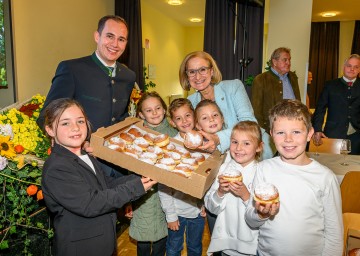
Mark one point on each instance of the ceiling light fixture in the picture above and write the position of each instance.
(175, 2)
(328, 14)
(195, 19)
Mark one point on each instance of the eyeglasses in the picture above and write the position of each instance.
(202, 71)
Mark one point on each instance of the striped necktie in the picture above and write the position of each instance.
(111, 69)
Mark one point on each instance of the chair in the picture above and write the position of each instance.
(350, 192)
(328, 146)
(351, 224)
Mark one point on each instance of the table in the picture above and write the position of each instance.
(332, 161)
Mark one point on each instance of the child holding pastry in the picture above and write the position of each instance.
(210, 120)
(148, 224)
(183, 212)
(229, 194)
(308, 219)
(82, 199)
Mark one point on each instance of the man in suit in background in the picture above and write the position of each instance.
(341, 99)
(98, 82)
(274, 85)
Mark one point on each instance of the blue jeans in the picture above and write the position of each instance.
(194, 229)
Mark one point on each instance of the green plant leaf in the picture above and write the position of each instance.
(4, 245)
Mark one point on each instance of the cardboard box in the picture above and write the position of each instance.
(196, 185)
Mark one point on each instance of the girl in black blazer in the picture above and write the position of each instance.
(81, 199)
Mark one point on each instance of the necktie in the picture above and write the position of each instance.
(350, 83)
(111, 69)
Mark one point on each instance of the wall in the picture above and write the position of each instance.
(346, 38)
(48, 31)
(169, 43)
(290, 26)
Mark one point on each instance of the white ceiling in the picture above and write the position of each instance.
(346, 9)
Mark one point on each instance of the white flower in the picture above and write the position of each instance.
(3, 163)
(6, 130)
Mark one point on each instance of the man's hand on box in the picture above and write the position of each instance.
(148, 183)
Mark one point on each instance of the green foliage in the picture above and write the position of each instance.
(3, 80)
(18, 208)
(148, 83)
(249, 80)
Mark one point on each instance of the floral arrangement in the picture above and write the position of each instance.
(23, 148)
(134, 99)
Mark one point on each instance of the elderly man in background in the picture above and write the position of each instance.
(341, 99)
(274, 85)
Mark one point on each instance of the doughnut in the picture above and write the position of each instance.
(149, 137)
(232, 175)
(162, 140)
(169, 162)
(266, 193)
(148, 155)
(141, 142)
(190, 161)
(134, 131)
(117, 141)
(184, 170)
(193, 139)
(157, 150)
(354, 252)
(174, 155)
(131, 154)
(115, 147)
(200, 158)
(163, 166)
(133, 149)
(183, 152)
(169, 148)
(184, 167)
(127, 137)
(146, 160)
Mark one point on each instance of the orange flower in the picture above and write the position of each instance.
(31, 190)
(49, 151)
(39, 195)
(19, 149)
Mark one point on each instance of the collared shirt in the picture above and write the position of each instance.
(288, 92)
(347, 80)
(106, 65)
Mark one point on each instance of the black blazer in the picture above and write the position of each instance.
(343, 105)
(105, 99)
(83, 205)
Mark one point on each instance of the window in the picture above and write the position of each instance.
(7, 88)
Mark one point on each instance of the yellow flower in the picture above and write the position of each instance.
(20, 159)
(7, 147)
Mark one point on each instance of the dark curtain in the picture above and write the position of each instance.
(133, 55)
(356, 38)
(324, 56)
(220, 38)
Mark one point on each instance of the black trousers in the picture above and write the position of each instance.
(157, 248)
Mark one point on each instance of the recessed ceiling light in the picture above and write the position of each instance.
(195, 19)
(175, 2)
(328, 14)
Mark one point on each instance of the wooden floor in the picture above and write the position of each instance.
(127, 247)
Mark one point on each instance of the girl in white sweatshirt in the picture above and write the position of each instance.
(228, 200)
